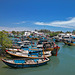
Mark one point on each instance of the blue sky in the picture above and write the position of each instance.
(54, 15)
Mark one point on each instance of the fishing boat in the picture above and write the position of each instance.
(70, 41)
(21, 44)
(71, 44)
(12, 49)
(29, 54)
(66, 42)
(51, 46)
(47, 47)
(55, 51)
(59, 37)
(22, 63)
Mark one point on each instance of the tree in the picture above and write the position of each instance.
(36, 30)
(54, 33)
(4, 31)
(22, 33)
(32, 34)
(73, 31)
(68, 32)
(17, 33)
(5, 42)
(44, 31)
(14, 32)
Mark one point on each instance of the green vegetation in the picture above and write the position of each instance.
(13, 32)
(55, 33)
(32, 34)
(44, 31)
(5, 42)
(17, 33)
(22, 33)
(68, 32)
(50, 33)
(73, 31)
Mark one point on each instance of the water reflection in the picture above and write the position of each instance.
(54, 62)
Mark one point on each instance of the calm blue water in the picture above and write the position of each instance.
(63, 64)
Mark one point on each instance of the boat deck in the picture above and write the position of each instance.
(35, 61)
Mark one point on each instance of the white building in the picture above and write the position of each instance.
(27, 33)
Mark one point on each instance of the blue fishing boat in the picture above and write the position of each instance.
(22, 63)
(70, 41)
(29, 54)
(51, 46)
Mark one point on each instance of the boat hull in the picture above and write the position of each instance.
(49, 49)
(70, 44)
(55, 51)
(18, 56)
(23, 65)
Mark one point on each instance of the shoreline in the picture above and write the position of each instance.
(2, 57)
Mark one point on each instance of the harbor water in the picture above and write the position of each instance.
(63, 64)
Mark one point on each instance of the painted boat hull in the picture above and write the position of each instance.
(55, 51)
(23, 65)
(70, 44)
(14, 55)
(49, 49)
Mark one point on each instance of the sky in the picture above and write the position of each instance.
(54, 15)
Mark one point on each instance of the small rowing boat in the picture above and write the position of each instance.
(29, 54)
(22, 63)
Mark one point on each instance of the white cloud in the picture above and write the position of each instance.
(15, 28)
(16, 23)
(66, 24)
(20, 22)
(23, 22)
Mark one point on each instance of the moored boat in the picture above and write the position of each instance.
(70, 42)
(22, 63)
(30, 54)
(51, 46)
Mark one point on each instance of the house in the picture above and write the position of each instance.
(27, 33)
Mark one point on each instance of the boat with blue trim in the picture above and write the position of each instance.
(22, 63)
(70, 41)
(29, 54)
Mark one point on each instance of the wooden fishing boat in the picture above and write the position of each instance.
(55, 51)
(46, 46)
(29, 54)
(70, 43)
(35, 38)
(22, 63)
(65, 42)
(51, 46)
(12, 49)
